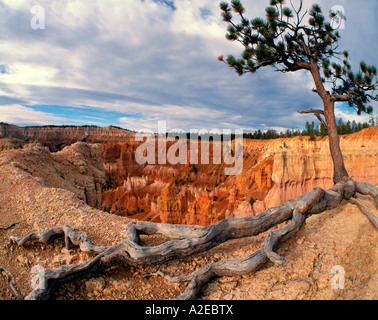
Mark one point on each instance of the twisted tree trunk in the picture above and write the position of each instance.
(339, 171)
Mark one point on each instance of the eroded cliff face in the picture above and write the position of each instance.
(77, 168)
(190, 194)
(58, 137)
(108, 176)
(305, 165)
(274, 171)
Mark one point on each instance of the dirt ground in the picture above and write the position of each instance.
(340, 237)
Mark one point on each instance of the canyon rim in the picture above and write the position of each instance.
(79, 184)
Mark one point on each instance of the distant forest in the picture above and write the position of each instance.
(312, 130)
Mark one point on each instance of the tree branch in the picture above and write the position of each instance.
(317, 114)
(342, 97)
(315, 111)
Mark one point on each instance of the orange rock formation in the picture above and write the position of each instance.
(274, 171)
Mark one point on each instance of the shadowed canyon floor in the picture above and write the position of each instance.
(40, 190)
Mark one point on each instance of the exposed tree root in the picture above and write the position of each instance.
(369, 214)
(189, 240)
(12, 284)
(71, 236)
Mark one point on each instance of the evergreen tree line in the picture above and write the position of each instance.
(311, 130)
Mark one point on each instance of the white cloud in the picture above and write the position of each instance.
(348, 114)
(188, 19)
(17, 4)
(30, 74)
(17, 114)
(176, 117)
(145, 59)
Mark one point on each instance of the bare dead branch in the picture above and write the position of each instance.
(317, 114)
(315, 111)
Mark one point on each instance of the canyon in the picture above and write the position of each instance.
(110, 179)
(274, 171)
(44, 186)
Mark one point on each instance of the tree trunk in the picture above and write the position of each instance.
(339, 171)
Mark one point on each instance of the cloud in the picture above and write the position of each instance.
(154, 59)
(21, 115)
(346, 113)
(176, 117)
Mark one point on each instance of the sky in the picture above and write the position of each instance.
(132, 63)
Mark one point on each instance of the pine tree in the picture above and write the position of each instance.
(372, 121)
(323, 130)
(283, 41)
(348, 128)
(354, 126)
(340, 123)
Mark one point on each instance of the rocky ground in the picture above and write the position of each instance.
(35, 197)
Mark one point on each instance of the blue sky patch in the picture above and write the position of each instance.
(205, 12)
(168, 3)
(4, 69)
(84, 115)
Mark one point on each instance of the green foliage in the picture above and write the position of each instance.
(224, 6)
(311, 130)
(237, 6)
(287, 12)
(286, 42)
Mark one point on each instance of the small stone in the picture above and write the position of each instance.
(95, 285)
(107, 292)
(65, 251)
(23, 260)
(71, 287)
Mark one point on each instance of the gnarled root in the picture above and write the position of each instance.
(247, 265)
(71, 236)
(367, 193)
(12, 284)
(189, 240)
